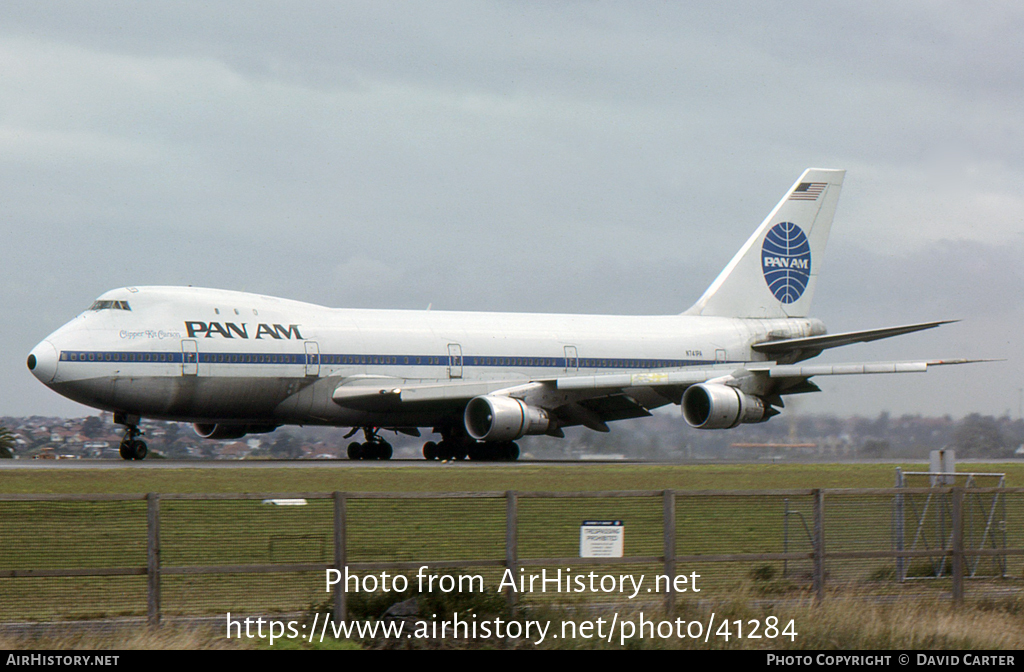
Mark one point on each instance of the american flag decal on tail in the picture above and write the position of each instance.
(808, 191)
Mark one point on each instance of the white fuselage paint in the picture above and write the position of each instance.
(140, 361)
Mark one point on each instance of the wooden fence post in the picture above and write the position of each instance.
(153, 558)
(819, 545)
(511, 541)
(340, 557)
(669, 518)
(957, 495)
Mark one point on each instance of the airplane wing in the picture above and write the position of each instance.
(767, 381)
(386, 394)
(591, 408)
(769, 378)
(792, 350)
(771, 369)
(593, 401)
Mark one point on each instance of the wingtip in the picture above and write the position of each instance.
(944, 362)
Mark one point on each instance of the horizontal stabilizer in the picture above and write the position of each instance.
(798, 349)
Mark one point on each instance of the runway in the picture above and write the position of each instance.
(294, 464)
(405, 463)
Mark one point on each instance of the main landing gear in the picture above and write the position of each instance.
(132, 447)
(375, 448)
(463, 448)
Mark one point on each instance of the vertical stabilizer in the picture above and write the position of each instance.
(774, 273)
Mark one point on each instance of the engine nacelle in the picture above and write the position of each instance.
(232, 431)
(494, 418)
(720, 407)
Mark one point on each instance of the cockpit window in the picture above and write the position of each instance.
(110, 305)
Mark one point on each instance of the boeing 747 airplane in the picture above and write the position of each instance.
(235, 363)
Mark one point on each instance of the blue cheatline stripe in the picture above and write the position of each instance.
(178, 357)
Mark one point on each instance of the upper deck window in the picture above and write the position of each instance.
(110, 305)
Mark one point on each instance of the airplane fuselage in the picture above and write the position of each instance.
(208, 356)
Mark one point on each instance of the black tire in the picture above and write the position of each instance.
(385, 451)
(126, 451)
(508, 452)
(355, 451)
(139, 450)
(430, 450)
(444, 451)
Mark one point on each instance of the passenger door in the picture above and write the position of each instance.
(312, 358)
(454, 360)
(189, 357)
(572, 360)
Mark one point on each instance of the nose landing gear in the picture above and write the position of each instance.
(131, 447)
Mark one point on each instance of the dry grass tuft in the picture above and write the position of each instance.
(164, 638)
(845, 621)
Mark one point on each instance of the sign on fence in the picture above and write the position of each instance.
(601, 538)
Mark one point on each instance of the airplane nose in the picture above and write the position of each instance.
(42, 362)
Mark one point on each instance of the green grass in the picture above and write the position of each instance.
(36, 535)
(416, 478)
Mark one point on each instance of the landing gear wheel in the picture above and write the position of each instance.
(131, 447)
(139, 450)
(430, 450)
(375, 448)
(371, 450)
(444, 451)
(505, 452)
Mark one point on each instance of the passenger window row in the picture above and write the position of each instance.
(242, 358)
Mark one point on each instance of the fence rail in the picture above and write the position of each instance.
(188, 546)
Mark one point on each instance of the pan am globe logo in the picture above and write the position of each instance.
(786, 261)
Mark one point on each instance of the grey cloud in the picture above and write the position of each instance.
(606, 157)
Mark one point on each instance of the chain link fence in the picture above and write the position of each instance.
(103, 556)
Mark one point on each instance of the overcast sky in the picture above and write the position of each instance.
(567, 157)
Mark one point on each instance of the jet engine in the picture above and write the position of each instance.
(713, 406)
(230, 431)
(494, 418)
